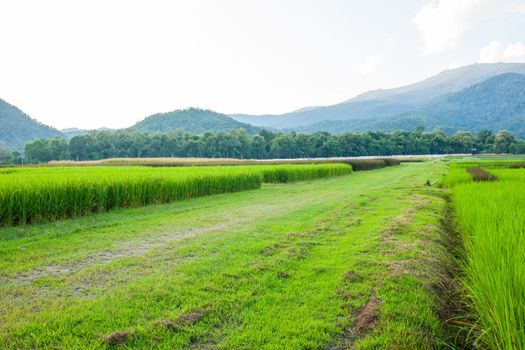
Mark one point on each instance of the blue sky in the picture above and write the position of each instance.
(110, 63)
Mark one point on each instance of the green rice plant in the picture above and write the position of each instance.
(491, 217)
(517, 165)
(32, 195)
(356, 163)
(24, 202)
(291, 173)
(513, 174)
(456, 174)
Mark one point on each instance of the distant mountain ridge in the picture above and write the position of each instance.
(192, 120)
(17, 128)
(368, 109)
(496, 103)
(474, 97)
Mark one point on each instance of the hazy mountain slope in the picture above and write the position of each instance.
(357, 110)
(497, 103)
(72, 132)
(380, 104)
(17, 128)
(191, 119)
(449, 81)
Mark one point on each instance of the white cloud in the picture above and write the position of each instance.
(370, 65)
(497, 51)
(390, 40)
(441, 24)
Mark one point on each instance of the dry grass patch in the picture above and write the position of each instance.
(366, 317)
(481, 175)
(117, 338)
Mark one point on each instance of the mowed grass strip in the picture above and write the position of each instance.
(323, 264)
(33, 195)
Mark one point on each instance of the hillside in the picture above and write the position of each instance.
(18, 128)
(191, 119)
(496, 103)
(369, 108)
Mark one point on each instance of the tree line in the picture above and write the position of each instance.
(262, 145)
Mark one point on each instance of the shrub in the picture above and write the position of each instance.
(367, 164)
(392, 161)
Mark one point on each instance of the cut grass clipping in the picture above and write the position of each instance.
(31, 195)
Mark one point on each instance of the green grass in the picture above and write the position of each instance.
(481, 157)
(456, 174)
(491, 217)
(32, 195)
(350, 261)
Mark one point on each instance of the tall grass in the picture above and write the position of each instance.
(356, 163)
(456, 174)
(291, 173)
(491, 217)
(32, 195)
(513, 174)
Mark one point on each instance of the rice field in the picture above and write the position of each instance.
(358, 163)
(32, 195)
(491, 218)
(366, 261)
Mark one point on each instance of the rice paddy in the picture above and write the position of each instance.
(274, 256)
(490, 214)
(32, 195)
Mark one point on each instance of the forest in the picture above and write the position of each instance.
(262, 145)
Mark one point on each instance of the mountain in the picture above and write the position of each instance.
(18, 128)
(192, 120)
(371, 107)
(449, 81)
(496, 103)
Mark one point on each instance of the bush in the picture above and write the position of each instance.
(366, 164)
(392, 161)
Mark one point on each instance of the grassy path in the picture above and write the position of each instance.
(338, 263)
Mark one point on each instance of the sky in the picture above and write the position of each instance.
(96, 63)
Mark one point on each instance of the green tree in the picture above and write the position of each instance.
(4, 155)
(503, 142)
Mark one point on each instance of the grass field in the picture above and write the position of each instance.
(352, 261)
(491, 217)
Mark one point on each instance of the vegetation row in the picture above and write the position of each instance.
(263, 145)
(31, 195)
(357, 164)
(491, 219)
